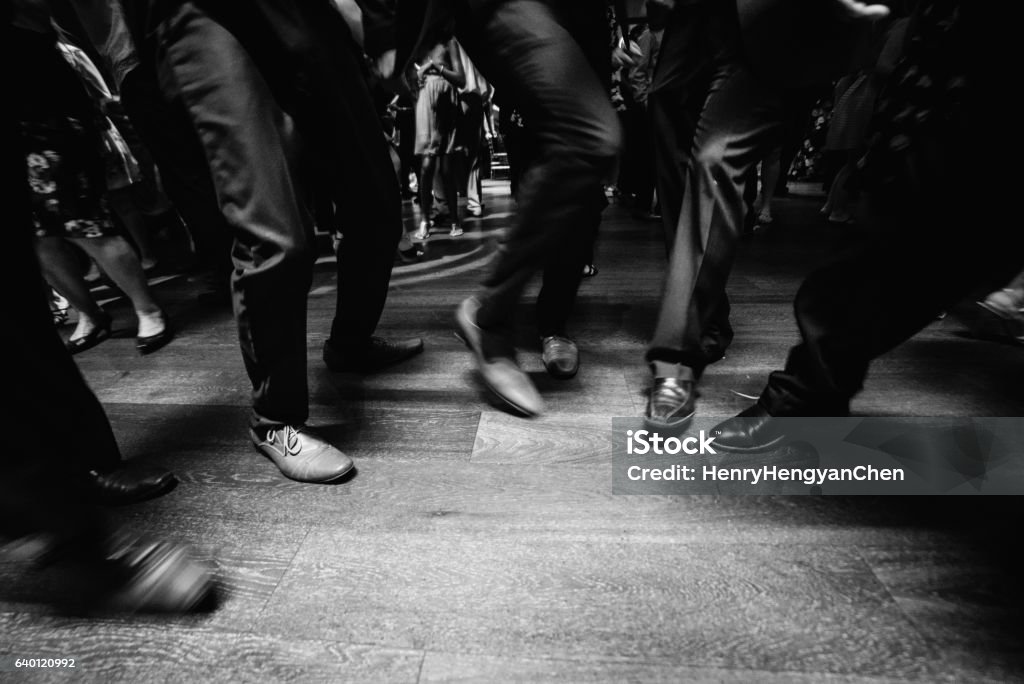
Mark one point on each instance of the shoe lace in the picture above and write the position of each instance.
(289, 439)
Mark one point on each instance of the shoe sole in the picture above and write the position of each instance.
(334, 478)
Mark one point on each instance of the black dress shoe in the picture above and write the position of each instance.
(128, 483)
(561, 356)
(671, 405)
(100, 333)
(375, 355)
(752, 430)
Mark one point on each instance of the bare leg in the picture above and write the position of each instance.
(116, 258)
(447, 163)
(123, 204)
(63, 272)
(770, 170)
(428, 166)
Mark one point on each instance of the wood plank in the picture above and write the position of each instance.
(800, 608)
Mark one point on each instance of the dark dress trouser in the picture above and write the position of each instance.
(53, 411)
(713, 121)
(941, 235)
(237, 95)
(525, 46)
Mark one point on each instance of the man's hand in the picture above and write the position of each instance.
(859, 10)
(384, 65)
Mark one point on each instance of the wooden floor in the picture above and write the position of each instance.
(473, 545)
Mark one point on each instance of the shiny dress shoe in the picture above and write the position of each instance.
(561, 356)
(752, 430)
(157, 577)
(300, 455)
(98, 334)
(501, 374)
(151, 343)
(672, 404)
(378, 353)
(128, 483)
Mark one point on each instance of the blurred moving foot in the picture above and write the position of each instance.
(300, 455)
(501, 374)
(157, 577)
(456, 231)
(376, 354)
(589, 270)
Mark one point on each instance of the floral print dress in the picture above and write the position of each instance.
(62, 139)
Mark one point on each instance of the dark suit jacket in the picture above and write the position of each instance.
(797, 42)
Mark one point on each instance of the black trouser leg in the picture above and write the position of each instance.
(563, 271)
(737, 126)
(854, 311)
(250, 151)
(50, 403)
(524, 46)
(167, 132)
(330, 100)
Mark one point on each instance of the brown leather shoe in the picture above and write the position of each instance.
(300, 455)
(501, 374)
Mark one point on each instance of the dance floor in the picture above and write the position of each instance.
(475, 545)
